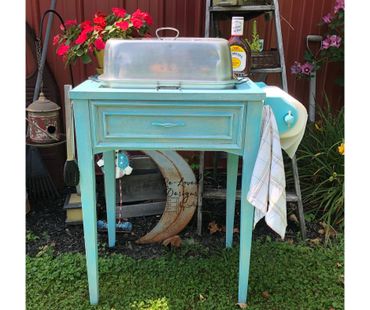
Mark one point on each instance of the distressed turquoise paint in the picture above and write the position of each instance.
(209, 120)
(232, 174)
(88, 194)
(110, 195)
(252, 136)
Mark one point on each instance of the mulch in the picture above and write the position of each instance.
(46, 221)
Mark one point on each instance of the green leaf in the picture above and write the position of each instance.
(79, 53)
(85, 59)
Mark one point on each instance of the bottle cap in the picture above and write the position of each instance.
(237, 25)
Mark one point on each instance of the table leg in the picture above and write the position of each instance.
(252, 138)
(88, 195)
(232, 174)
(110, 195)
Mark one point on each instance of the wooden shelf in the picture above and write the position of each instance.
(245, 8)
(267, 70)
(220, 193)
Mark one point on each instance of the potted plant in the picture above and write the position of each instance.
(260, 57)
(88, 38)
(256, 44)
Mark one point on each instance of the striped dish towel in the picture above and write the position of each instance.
(267, 189)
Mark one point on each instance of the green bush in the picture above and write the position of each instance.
(320, 160)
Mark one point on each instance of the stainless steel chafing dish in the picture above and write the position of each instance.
(174, 62)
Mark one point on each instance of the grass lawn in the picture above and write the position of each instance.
(283, 276)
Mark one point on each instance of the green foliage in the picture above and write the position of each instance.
(254, 44)
(320, 160)
(30, 236)
(295, 276)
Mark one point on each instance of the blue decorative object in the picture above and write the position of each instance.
(123, 226)
(122, 160)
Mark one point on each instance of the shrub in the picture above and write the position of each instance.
(320, 160)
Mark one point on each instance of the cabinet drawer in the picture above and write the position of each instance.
(184, 124)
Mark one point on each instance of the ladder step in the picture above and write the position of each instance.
(220, 193)
(244, 8)
(267, 70)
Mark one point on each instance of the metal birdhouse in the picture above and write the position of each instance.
(43, 120)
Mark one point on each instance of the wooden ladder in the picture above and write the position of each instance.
(249, 12)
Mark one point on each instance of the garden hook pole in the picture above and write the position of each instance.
(312, 89)
(44, 52)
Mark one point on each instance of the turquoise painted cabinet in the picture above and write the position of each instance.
(107, 119)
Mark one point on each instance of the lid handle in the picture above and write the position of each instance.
(167, 28)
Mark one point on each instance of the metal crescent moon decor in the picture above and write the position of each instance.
(181, 196)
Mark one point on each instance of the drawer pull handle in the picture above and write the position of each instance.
(168, 124)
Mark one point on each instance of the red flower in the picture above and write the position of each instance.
(143, 16)
(62, 50)
(70, 22)
(137, 22)
(99, 44)
(81, 38)
(85, 24)
(99, 14)
(138, 14)
(148, 19)
(98, 28)
(56, 39)
(119, 12)
(100, 21)
(123, 25)
(87, 29)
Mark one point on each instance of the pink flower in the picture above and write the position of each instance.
(56, 39)
(119, 12)
(331, 41)
(137, 22)
(123, 25)
(327, 18)
(307, 68)
(339, 5)
(99, 44)
(335, 40)
(62, 50)
(296, 68)
(326, 43)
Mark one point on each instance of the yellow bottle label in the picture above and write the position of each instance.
(238, 58)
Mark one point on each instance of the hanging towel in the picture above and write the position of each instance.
(267, 189)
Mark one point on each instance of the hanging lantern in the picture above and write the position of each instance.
(43, 120)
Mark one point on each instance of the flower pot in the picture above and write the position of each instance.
(99, 55)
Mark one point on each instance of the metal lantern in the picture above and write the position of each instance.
(43, 120)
